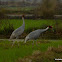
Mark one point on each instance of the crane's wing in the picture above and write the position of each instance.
(35, 34)
(18, 31)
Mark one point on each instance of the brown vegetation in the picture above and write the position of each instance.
(48, 8)
(2, 13)
(48, 56)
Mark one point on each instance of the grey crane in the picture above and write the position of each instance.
(35, 34)
(16, 33)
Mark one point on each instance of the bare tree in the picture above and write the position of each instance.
(59, 7)
(46, 8)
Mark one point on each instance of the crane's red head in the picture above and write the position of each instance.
(50, 26)
(22, 15)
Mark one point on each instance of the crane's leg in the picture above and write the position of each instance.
(17, 41)
(13, 43)
(36, 43)
(33, 43)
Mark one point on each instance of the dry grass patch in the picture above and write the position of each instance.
(48, 56)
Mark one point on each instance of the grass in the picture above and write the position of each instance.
(29, 23)
(18, 10)
(8, 54)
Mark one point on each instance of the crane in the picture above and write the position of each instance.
(35, 34)
(17, 32)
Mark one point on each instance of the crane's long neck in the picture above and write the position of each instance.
(46, 28)
(42, 30)
(23, 21)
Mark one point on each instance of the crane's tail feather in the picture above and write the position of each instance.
(12, 37)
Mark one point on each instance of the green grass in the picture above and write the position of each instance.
(29, 23)
(8, 54)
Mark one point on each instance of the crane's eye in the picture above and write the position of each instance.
(50, 26)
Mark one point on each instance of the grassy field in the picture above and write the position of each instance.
(29, 23)
(18, 10)
(8, 54)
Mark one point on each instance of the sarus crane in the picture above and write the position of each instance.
(17, 32)
(35, 34)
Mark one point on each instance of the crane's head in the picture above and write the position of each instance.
(50, 26)
(22, 15)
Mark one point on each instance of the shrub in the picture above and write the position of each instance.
(48, 56)
(2, 13)
(46, 9)
(9, 29)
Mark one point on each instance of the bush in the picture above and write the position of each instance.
(47, 56)
(46, 9)
(2, 13)
(7, 30)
